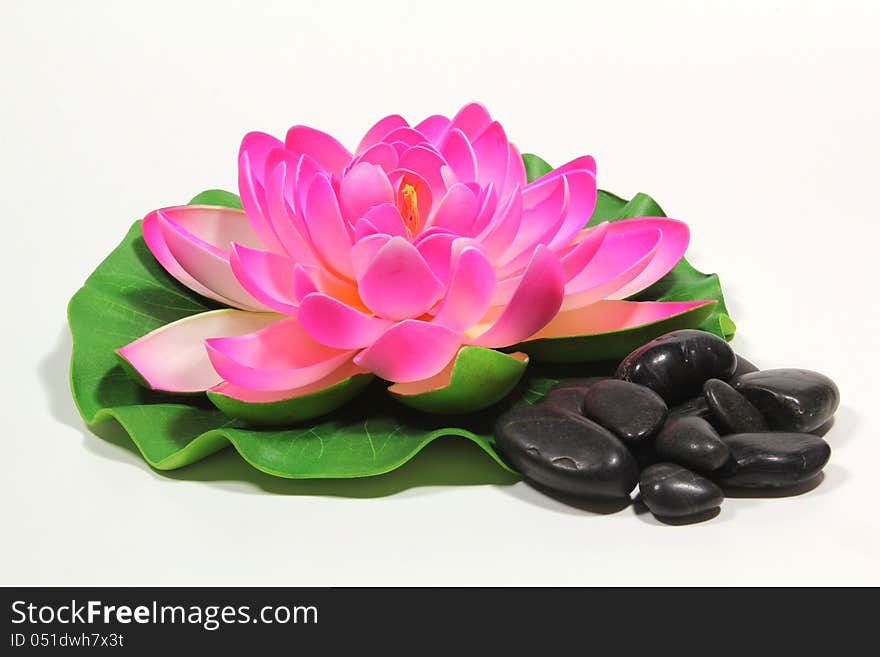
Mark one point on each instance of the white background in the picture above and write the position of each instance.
(754, 122)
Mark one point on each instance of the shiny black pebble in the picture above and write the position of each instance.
(691, 442)
(695, 407)
(791, 399)
(730, 411)
(569, 394)
(671, 491)
(772, 459)
(633, 412)
(742, 367)
(675, 365)
(566, 453)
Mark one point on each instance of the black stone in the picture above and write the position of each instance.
(696, 407)
(772, 459)
(692, 442)
(730, 411)
(569, 394)
(633, 412)
(566, 453)
(742, 367)
(791, 399)
(675, 365)
(671, 491)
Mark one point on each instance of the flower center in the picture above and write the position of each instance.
(409, 209)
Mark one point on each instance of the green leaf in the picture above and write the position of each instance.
(216, 197)
(535, 166)
(293, 410)
(480, 377)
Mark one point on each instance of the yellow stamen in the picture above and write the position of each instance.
(410, 209)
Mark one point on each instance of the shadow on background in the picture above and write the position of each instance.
(449, 461)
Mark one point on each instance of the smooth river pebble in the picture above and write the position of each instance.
(691, 442)
(772, 459)
(566, 453)
(675, 365)
(791, 399)
(633, 412)
(672, 491)
(730, 411)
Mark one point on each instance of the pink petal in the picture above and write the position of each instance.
(457, 210)
(253, 200)
(585, 162)
(404, 135)
(327, 228)
(469, 292)
(278, 357)
(258, 145)
(673, 243)
(410, 351)
(581, 203)
(173, 357)
(381, 128)
(335, 324)
(472, 120)
(326, 150)
(436, 250)
(576, 258)
(303, 284)
(488, 205)
(535, 302)
(516, 171)
(347, 370)
(381, 154)
(364, 228)
(491, 150)
(364, 186)
(268, 277)
(433, 127)
(608, 316)
(386, 218)
(309, 279)
(205, 263)
(398, 284)
(619, 260)
(427, 163)
(539, 223)
(459, 154)
(289, 228)
(365, 250)
(498, 235)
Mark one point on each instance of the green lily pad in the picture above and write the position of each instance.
(295, 409)
(216, 197)
(535, 166)
(478, 378)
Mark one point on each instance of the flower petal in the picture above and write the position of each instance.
(472, 120)
(173, 357)
(459, 154)
(278, 357)
(206, 263)
(535, 302)
(428, 164)
(410, 351)
(381, 154)
(619, 260)
(673, 244)
(364, 186)
(516, 171)
(584, 162)
(289, 228)
(326, 150)
(492, 151)
(576, 258)
(214, 225)
(338, 325)
(469, 292)
(398, 283)
(364, 252)
(499, 233)
(327, 229)
(379, 129)
(253, 199)
(436, 250)
(267, 276)
(433, 127)
(608, 316)
(386, 218)
(581, 203)
(456, 211)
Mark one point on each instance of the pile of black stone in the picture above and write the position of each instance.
(685, 418)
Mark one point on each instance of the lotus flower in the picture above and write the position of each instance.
(390, 259)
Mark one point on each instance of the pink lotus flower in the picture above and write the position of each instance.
(391, 258)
